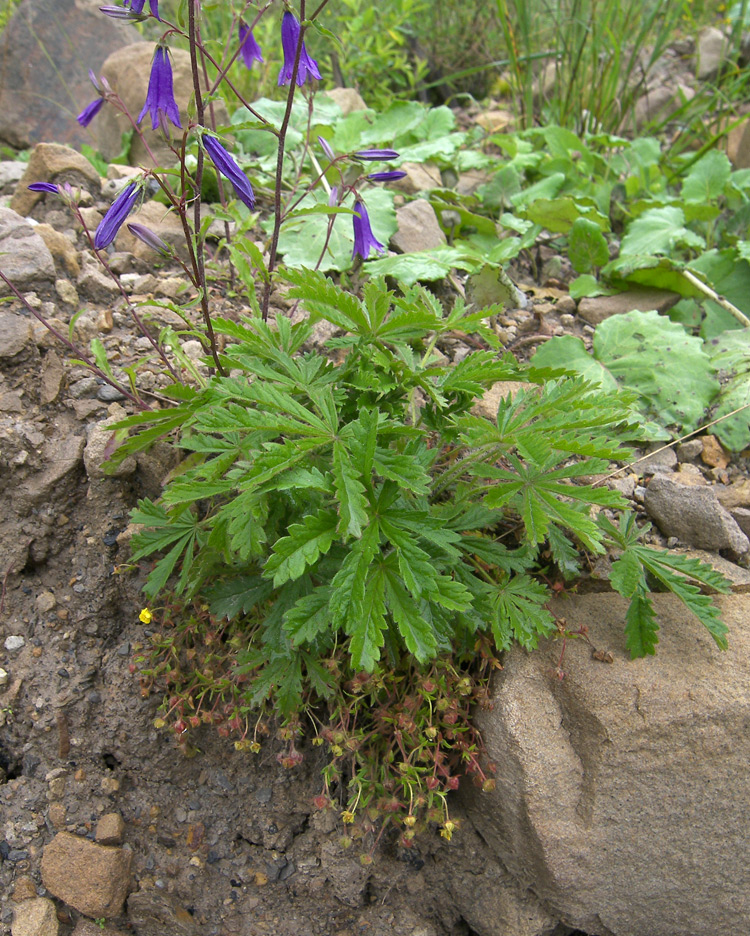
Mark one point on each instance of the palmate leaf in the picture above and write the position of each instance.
(350, 492)
(405, 470)
(641, 629)
(238, 596)
(417, 632)
(415, 565)
(309, 617)
(367, 635)
(303, 546)
(519, 613)
(349, 584)
(664, 567)
(180, 529)
(628, 577)
(325, 300)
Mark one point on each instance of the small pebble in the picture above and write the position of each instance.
(14, 642)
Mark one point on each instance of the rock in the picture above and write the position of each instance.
(153, 913)
(420, 177)
(617, 798)
(469, 182)
(496, 121)
(66, 292)
(95, 283)
(690, 474)
(26, 260)
(594, 309)
(99, 447)
(711, 52)
(11, 171)
(62, 457)
(110, 829)
(347, 876)
(128, 70)
(61, 248)
(153, 467)
(738, 145)
(94, 879)
(694, 515)
(14, 642)
(24, 888)
(418, 228)
(689, 451)
(713, 453)
(35, 917)
(52, 162)
(165, 224)
(486, 895)
(659, 102)
(45, 602)
(661, 459)
(734, 495)
(51, 378)
(348, 99)
(87, 928)
(46, 50)
(741, 516)
(489, 403)
(16, 332)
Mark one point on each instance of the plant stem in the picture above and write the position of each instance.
(196, 245)
(277, 217)
(715, 297)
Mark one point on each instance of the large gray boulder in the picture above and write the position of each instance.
(622, 797)
(46, 51)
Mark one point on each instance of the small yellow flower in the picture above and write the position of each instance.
(447, 830)
(145, 617)
(410, 821)
(337, 750)
(255, 747)
(347, 817)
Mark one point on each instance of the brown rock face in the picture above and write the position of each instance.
(45, 54)
(94, 879)
(621, 798)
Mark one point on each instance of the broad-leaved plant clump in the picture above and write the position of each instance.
(350, 542)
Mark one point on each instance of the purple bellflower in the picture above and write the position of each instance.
(228, 167)
(150, 239)
(122, 12)
(364, 239)
(249, 48)
(90, 111)
(376, 155)
(160, 102)
(116, 215)
(290, 31)
(388, 176)
(44, 187)
(136, 6)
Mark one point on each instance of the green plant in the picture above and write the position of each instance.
(598, 54)
(365, 534)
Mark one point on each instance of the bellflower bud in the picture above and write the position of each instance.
(386, 176)
(326, 148)
(150, 239)
(116, 215)
(44, 187)
(228, 167)
(376, 154)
